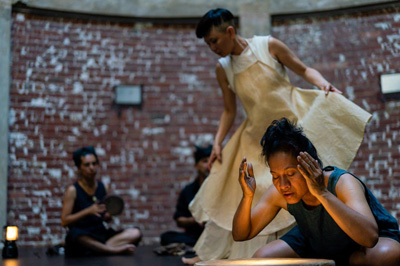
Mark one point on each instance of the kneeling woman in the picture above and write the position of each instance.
(337, 216)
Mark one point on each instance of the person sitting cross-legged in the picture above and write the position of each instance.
(84, 214)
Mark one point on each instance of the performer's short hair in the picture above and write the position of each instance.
(201, 153)
(219, 18)
(76, 156)
(283, 135)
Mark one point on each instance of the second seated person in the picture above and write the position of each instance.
(254, 70)
(182, 215)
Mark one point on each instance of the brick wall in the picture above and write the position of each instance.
(352, 49)
(63, 77)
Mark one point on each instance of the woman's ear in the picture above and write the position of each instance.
(231, 31)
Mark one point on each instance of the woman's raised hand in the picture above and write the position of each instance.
(246, 178)
(312, 172)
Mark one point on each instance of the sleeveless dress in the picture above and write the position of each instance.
(90, 225)
(317, 235)
(334, 124)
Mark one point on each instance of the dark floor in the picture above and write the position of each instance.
(144, 256)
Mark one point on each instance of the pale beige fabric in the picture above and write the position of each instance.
(218, 243)
(334, 124)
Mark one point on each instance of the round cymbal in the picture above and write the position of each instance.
(114, 204)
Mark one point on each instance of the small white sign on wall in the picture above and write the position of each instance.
(390, 83)
(128, 95)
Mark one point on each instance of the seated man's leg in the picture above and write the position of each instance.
(385, 252)
(126, 237)
(177, 237)
(276, 249)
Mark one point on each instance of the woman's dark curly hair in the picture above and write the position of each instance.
(283, 135)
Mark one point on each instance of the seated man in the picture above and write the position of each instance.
(337, 216)
(182, 215)
(84, 215)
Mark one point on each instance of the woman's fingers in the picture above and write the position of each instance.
(330, 87)
(304, 164)
(210, 161)
(337, 91)
(309, 166)
(213, 157)
(247, 176)
(250, 170)
(242, 168)
(302, 171)
(219, 157)
(309, 162)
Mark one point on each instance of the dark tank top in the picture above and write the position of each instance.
(325, 237)
(84, 200)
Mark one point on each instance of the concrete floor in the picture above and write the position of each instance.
(144, 256)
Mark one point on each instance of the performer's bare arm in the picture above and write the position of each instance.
(247, 222)
(227, 117)
(284, 55)
(349, 209)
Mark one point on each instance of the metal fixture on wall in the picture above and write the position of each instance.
(390, 86)
(128, 95)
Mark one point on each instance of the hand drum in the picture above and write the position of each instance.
(114, 204)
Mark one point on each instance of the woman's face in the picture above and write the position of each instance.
(88, 167)
(221, 42)
(286, 178)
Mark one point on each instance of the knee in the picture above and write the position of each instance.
(389, 255)
(134, 234)
(385, 253)
(260, 253)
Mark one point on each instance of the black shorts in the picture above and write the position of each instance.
(298, 242)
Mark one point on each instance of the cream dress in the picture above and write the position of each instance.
(334, 124)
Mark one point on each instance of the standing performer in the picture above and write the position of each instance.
(254, 70)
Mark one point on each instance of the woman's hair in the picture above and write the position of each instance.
(283, 136)
(76, 156)
(219, 18)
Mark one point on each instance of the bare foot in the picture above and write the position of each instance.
(124, 249)
(190, 261)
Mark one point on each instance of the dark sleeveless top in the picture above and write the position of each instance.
(324, 237)
(91, 223)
